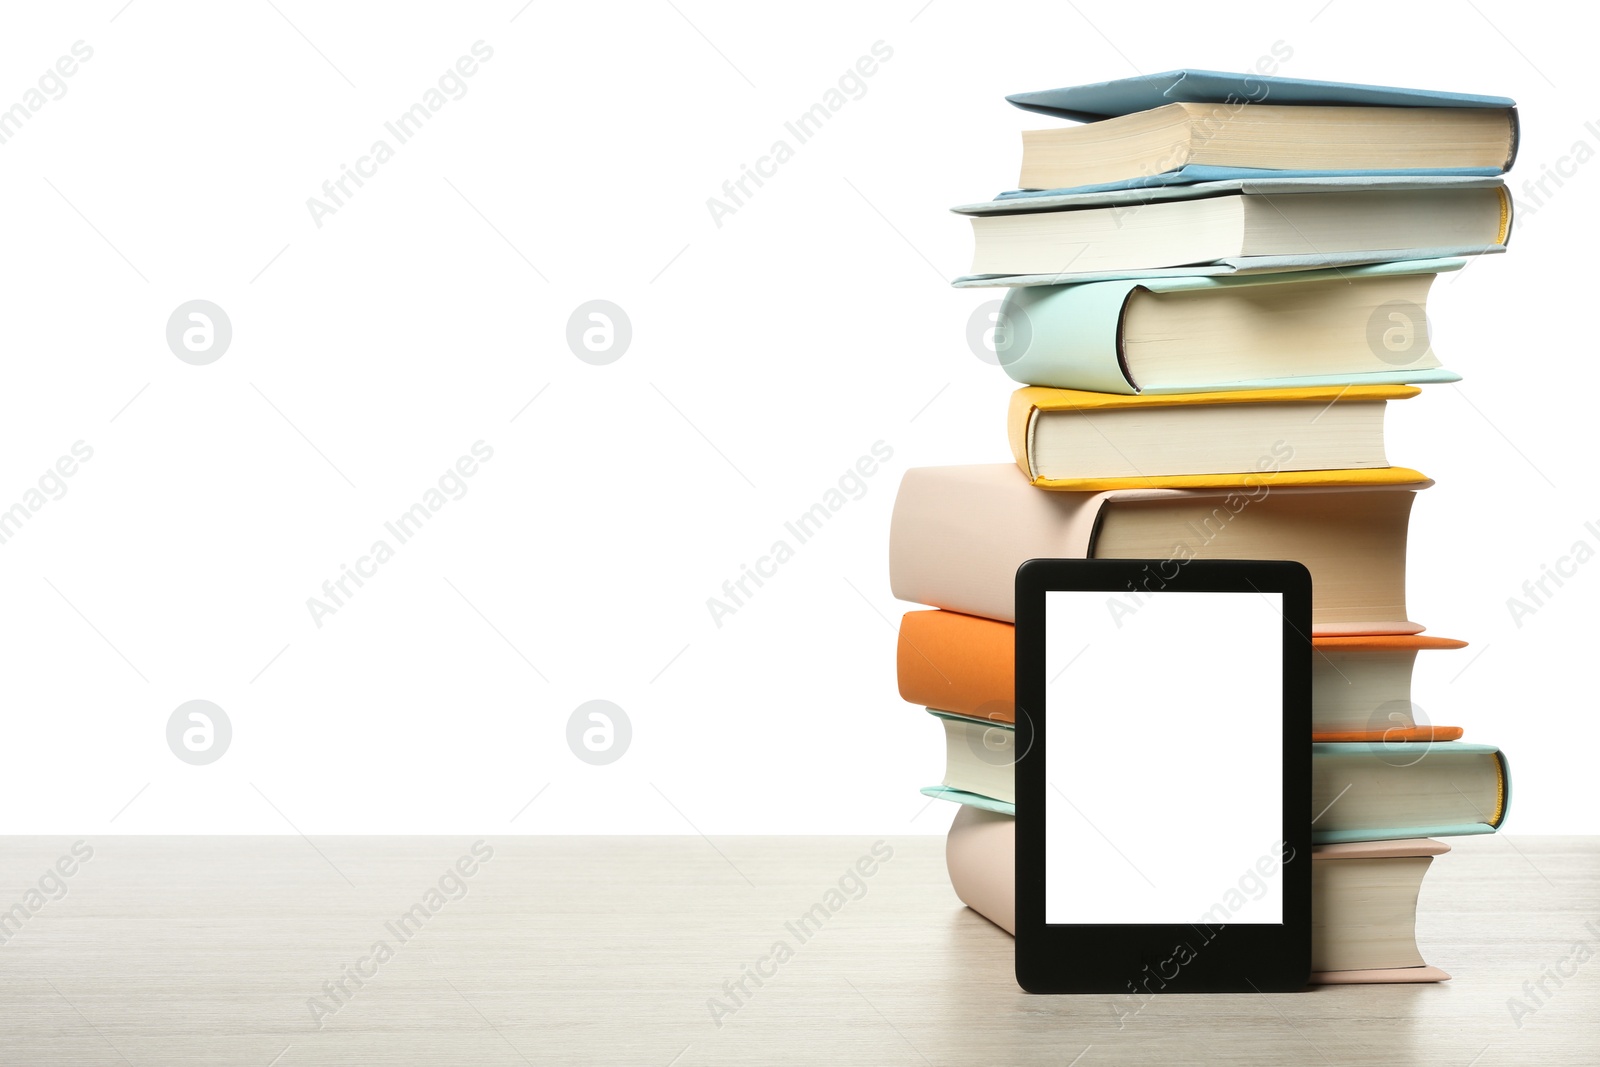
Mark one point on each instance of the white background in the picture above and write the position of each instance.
(768, 354)
(1142, 788)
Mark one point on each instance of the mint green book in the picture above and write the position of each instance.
(1375, 791)
(1362, 325)
(971, 800)
(1360, 791)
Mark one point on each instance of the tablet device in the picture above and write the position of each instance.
(1163, 776)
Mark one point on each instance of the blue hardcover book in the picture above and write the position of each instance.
(1125, 96)
(1185, 126)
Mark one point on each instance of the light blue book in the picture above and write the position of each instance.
(1126, 96)
(971, 800)
(1361, 325)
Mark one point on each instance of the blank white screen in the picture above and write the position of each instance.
(1163, 759)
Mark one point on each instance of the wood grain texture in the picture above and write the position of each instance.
(179, 951)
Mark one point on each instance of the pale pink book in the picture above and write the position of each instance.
(959, 533)
(1364, 911)
(980, 853)
(1363, 897)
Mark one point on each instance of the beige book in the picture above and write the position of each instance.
(1363, 897)
(958, 535)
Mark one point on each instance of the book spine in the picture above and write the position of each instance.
(958, 535)
(1504, 799)
(980, 855)
(1020, 414)
(1067, 336)
(956, 663)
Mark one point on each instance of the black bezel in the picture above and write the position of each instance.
(1139, 960)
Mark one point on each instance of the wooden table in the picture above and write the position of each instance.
(173, 951)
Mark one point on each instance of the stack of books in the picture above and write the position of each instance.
(1215, 286)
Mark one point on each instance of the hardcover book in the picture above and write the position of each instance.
(1363, 898)
(958, 535)
(1268, 224)
(1188, 125)
(1356, 325)
(1362, 224)
(1314, 435)
(1360, 686)
(1361, 791)
(1299, 139)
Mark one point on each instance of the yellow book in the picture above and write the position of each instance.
(1313, 436)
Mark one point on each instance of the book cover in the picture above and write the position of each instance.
(1124, 96)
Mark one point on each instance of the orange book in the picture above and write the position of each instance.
(1361, 686)
(957, 663)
